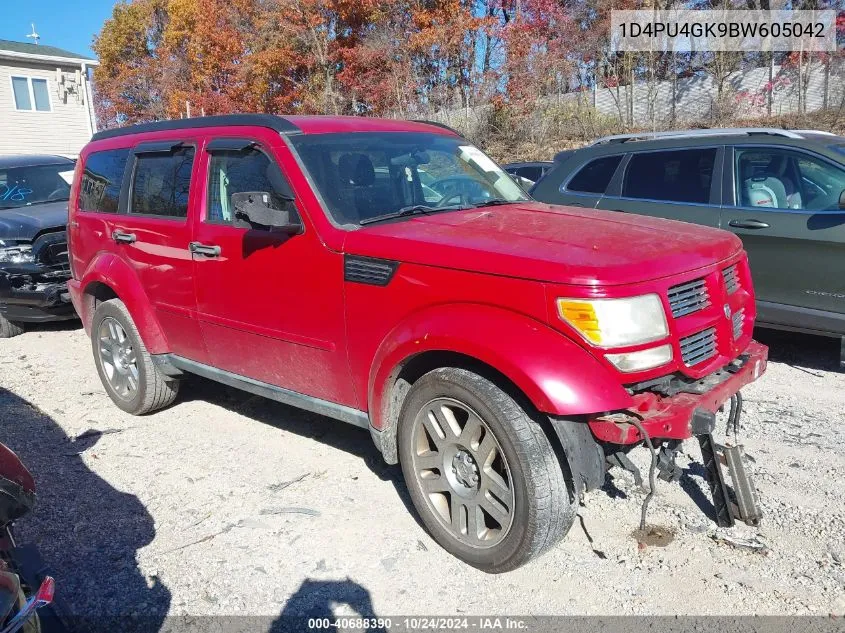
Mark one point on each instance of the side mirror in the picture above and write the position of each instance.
(842, 199)
(256, 210)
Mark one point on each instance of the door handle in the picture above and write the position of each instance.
(748, 224)
(123, 238)
(209, 250)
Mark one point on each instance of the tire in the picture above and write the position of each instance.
(8, 329)
(126, 369)
(513, 476)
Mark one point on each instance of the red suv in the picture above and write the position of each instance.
(390, 275)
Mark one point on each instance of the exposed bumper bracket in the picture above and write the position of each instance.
(739, 503)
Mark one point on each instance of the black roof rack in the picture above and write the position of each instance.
(277, 123)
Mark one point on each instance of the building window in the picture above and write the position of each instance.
(31, 94)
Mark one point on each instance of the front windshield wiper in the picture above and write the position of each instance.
(414, 209)
(492, 202)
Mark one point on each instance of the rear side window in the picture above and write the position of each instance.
(673, 176)
(161, 183)
(101, 181)
(595, 176)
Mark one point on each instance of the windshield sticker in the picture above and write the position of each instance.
(470, 153)
(13, 193)
(67, 176)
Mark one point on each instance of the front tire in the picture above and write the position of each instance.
(481, 472)
(8, 329)
(126, 369)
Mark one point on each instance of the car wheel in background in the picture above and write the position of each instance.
(126, 369)
(480, 471)
(8, 329)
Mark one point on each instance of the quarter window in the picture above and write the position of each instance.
(101, 181)
(239, 172)
(673, 176)
(161, 183)
(31, 94)
(595, 176)
(783, 179)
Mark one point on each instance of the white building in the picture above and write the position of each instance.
(45, 100)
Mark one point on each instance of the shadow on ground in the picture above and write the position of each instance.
(802, 351)
(87, 531)
(320, 599)
(54, 326)
(334, 433)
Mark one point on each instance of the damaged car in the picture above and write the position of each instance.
(34, 270)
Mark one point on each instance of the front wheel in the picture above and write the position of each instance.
(481, 472)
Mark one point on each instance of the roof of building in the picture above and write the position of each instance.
(42, 50)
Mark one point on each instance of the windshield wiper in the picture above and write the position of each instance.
(414, 209)
(492, 202)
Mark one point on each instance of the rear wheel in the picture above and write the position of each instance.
(481, 472)
(126, 369)
(8, 329)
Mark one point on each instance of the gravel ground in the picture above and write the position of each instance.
(229, 503)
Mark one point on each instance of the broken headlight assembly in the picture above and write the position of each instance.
(15, 252)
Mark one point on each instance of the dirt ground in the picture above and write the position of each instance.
(229, 503)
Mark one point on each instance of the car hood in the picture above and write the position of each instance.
(24, 223)
(548, 243)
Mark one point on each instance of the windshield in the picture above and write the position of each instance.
(365, 175)
(25, 186)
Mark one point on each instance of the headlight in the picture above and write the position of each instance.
(616, 322)
(15, 253)
(642, 360)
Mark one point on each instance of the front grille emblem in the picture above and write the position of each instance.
(727, 310)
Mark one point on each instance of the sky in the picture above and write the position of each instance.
(67, 24)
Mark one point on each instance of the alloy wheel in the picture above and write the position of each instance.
(117, 355)
(463, 472)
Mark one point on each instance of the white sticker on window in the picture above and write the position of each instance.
(470, 153)
(67, 176)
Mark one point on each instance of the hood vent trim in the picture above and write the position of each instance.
(368, 270)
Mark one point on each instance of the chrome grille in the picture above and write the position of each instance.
(731, 279)
(698, 347)
(738, 320)
(688, 298)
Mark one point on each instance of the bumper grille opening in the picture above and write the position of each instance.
(731, 279)
(738, 319)
(688, 298)
(51, 250)
(699, 347)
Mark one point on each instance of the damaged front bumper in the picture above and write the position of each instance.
(33, 294)
(677, 409)
(672, 409)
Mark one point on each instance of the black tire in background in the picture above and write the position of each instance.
(541, 511)
(146, 389)
(8, 329)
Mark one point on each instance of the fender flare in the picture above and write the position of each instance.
(556, 374)
(112, 271)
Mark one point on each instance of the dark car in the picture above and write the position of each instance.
(530, 171)
(781, 191)
(34, 267)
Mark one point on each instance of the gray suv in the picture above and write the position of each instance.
(781, 191)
